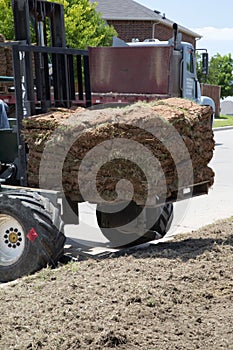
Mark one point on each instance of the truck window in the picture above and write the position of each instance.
(189, 60)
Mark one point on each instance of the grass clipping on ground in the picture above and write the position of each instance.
(175, 295)
(158, 147)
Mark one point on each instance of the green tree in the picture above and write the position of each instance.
(84, 26)
(6, 19)
(220, 73)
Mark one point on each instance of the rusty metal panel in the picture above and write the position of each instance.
(141, 70)
(213, 91)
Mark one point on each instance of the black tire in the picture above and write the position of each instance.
(109, 224)
(164, 221)
(31, 234)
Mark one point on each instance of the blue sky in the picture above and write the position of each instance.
(213, 19)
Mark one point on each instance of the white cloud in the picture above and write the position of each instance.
(215, 40)
(212, 33)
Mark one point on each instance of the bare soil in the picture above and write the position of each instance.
(175, 295)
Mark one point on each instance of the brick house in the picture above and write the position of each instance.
(133, 20)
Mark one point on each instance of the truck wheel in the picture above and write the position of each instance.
(164, 221)
(110, 223)
(31, 234)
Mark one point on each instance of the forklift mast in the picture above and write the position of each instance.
(46, 74)
(38, 12)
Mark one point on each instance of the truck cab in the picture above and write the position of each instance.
(189, 85)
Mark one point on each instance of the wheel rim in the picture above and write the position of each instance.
(12, 240)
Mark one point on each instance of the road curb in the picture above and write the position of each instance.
(223, 128)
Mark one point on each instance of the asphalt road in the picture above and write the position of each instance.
(188, 215)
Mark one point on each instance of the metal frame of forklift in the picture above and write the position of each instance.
(44, 76)
(40, 97)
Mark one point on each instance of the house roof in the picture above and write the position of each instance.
(129, 10)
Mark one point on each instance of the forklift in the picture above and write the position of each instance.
(31, 226)
(48, 75)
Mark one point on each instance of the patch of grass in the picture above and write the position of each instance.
(223, 120)
(72, 266)
(151, 302)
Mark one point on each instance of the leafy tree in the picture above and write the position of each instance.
(6, 19)
(84, 26)
(220, 73)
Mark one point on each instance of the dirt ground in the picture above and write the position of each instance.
(176, 295)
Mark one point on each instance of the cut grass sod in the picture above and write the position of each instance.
(223, 120)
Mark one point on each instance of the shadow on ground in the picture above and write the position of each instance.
(184, 247)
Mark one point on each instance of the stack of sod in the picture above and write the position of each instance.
(158, 147)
